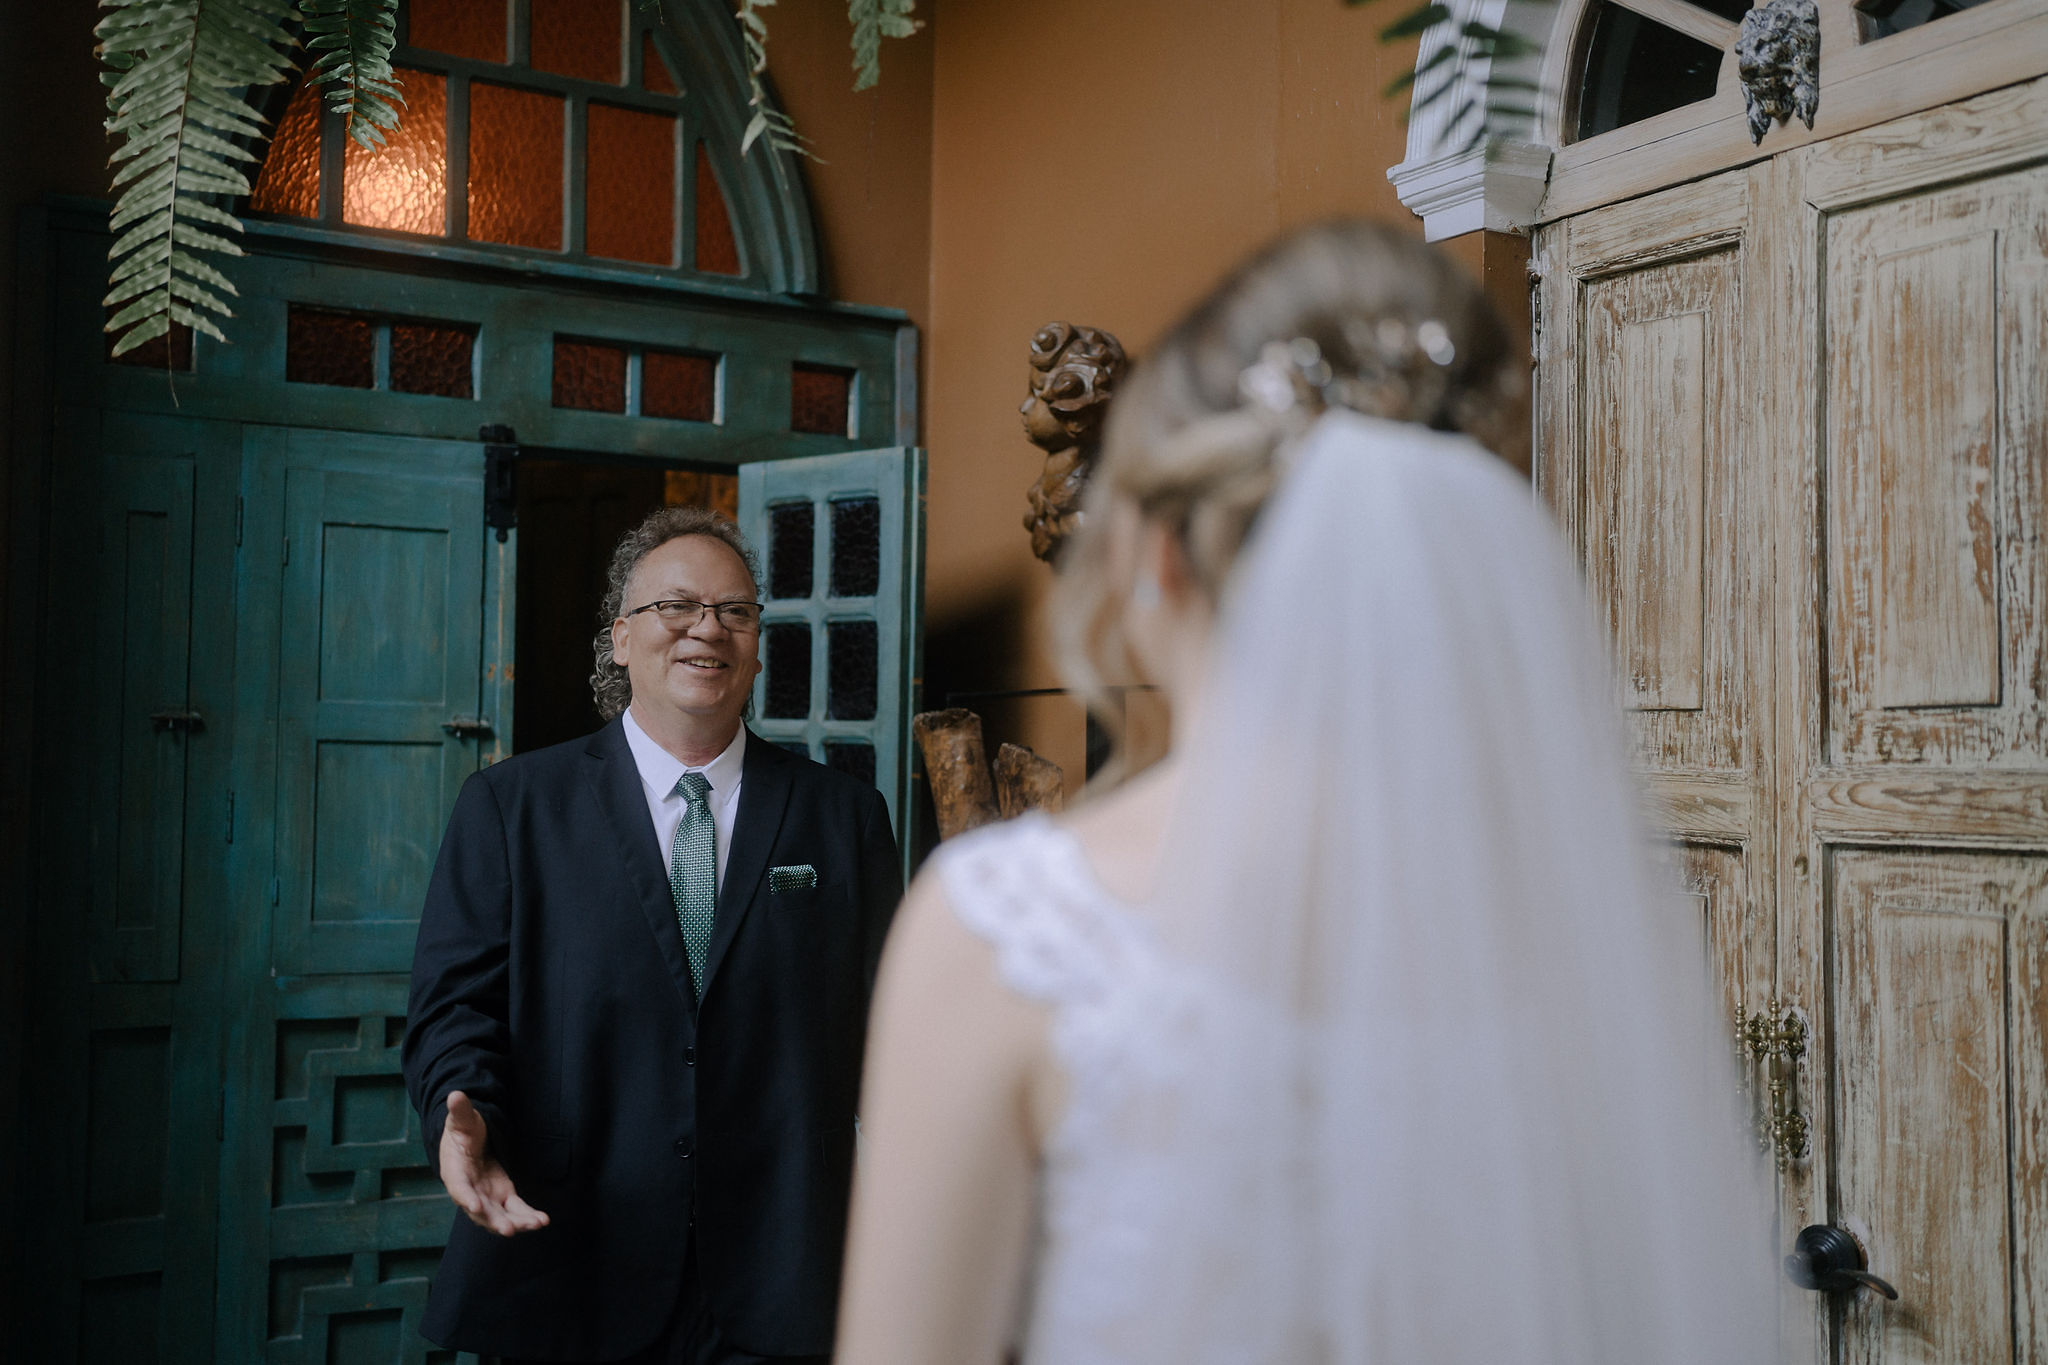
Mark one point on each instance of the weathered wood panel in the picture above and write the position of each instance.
(1939, 1010)
(1936, 459)
(1663, 513)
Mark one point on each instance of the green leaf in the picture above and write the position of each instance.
(1407, 78)
(1417, 20)
(153, 326)
(178, 74)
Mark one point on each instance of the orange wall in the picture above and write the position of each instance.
(871, 177)
(1103, 164)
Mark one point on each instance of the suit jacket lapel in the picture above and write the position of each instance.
(764, 793)
(615, 780)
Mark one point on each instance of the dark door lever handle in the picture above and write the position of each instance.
(177, 720)
(1829, 1260)
(468, 727)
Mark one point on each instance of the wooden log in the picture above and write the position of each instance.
(1025, 781)
(956, 763)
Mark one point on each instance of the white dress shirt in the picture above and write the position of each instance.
(659, 770)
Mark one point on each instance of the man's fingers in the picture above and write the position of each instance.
(524, 1216)
(463, 1118)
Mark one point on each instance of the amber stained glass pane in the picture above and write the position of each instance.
(856, 547)
(855, 760)
(172, 351)
(790, 556)
(578, 38)
(702, 488)
(433, 357)
(654, 72)
(820, 400)
(289, 183)
(788, 684)
(852, 666)
(589, 376)
(515, 166)
(677, 385)
(629, 203)
(460, 28)
(404, 185)
(717, 251)
(325, 347)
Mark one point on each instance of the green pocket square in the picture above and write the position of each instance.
(795, 877)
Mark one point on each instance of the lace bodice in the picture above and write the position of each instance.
(1130, 1028)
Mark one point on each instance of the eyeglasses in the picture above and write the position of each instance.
(680, 613)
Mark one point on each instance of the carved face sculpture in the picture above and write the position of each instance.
(1777, 55)
(1074, 370)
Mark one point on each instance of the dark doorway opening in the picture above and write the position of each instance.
(573, 509)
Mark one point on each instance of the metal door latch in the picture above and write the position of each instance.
(1774, 1038)
(176, 721)
(469, 727)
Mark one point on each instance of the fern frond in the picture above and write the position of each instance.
(176, 71)
(767, 123)
(354, 39)
(874, 20)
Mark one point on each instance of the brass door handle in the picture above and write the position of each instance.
(469, 727)
(1775, 1039)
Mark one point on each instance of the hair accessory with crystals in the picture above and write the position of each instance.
(1295, 374)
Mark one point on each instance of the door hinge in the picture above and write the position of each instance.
(238, 523)
(287, 549)
(231, 817)
(276, 889)
(220, 1118)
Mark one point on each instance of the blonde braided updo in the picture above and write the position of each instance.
(1344, 313)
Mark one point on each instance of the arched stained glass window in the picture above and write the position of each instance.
(557, 126)
(1647, 57)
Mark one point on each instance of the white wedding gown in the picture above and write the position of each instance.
(1410, 1061)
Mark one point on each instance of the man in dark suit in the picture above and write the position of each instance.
(639, 1000)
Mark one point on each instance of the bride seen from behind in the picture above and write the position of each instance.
(1360, 1028)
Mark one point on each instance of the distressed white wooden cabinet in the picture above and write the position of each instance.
(1794, 415)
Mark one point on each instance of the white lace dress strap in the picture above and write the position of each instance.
(1024, 887)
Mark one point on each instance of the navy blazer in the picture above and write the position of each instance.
(551, 987)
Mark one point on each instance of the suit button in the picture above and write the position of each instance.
(682, 1149)
(690, 1056)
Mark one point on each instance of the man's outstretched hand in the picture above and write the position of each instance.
(475, 1180)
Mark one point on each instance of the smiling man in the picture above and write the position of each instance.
(639, 999)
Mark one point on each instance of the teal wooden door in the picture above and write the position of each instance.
(368, 581)
(124, 1071)
(842, 543)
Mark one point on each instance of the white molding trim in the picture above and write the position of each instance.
(1497, 186)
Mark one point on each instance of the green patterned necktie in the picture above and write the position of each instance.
(693, 872)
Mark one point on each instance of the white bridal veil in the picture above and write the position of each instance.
(1474, 1105)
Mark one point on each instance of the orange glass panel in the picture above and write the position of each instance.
(701, 488)
(654, 72)
(325, 347)
(589, 376)
(460, 28)
(432, 357)
(578, 38)
(404, 185)
(629, 202)
(515, 166)
(674, 384)
(717, 251)
(820, 400)
(289, 183)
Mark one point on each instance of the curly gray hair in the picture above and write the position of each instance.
(609, 684)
